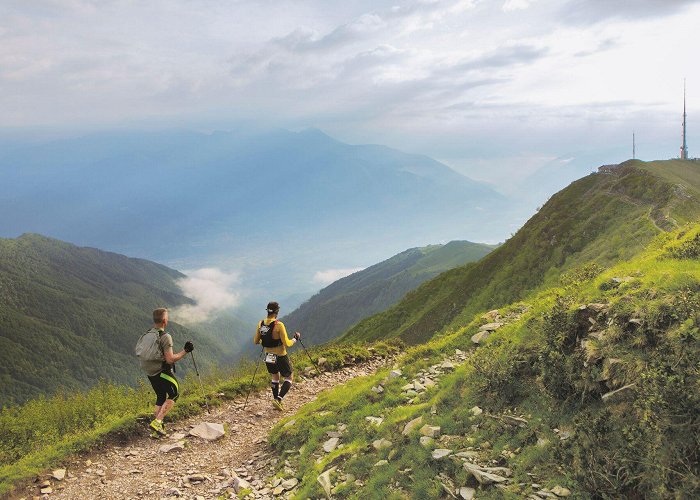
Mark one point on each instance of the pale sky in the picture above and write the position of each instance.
(496, 89)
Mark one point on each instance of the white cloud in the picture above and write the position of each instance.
(452, 79)
(592, 11)
(330, 275)
(512, 5)
(212, 291)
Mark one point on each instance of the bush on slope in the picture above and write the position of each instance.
(635, 325)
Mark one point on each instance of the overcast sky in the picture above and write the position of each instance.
(496, 89)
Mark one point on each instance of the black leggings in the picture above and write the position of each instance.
(165, 386)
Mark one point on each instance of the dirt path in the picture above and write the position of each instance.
(202, 470)
(656, 215)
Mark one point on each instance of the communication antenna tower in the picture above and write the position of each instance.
(684, 146)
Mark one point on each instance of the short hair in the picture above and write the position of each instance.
(273, 308)
(159, 315)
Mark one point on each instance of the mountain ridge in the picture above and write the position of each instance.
(589, 366)
(595, 373)
(591, 220)
(346, 301)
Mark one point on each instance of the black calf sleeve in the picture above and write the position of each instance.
(275, 388)
(286, 385)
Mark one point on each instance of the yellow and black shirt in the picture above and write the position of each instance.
(278, 332)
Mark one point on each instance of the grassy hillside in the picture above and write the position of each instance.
(601, 218)
(345, 302)
(70, 316)
(590, 389)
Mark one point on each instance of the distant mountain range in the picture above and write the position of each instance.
(278, 206)
(601, 218)
(70, 317)
(345, 302)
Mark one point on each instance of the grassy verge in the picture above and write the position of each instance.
(634, 327)
(40, 433)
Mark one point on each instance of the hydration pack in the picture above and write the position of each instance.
(266, 335)
(148, 348)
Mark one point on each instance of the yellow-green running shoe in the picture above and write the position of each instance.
(158, 427)
(277, 403)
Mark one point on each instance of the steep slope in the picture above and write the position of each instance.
(343, 303)
(587, 390)
(601, 218)
(70, 316)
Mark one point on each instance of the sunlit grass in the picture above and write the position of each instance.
(534, 367)
(41, 432)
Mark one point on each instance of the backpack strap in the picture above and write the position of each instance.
(160, 336)
(271, 325)
(160, 348)
(268, 340)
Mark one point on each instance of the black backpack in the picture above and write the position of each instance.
(266, 335)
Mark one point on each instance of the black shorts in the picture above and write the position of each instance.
(165, 386)
(282, 365)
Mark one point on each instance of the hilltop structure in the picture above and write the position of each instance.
(608, 169)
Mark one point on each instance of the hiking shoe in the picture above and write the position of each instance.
(158, 427)
(277, 403)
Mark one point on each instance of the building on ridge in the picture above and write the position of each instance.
(608, 169)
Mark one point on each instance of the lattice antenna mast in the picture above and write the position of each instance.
(634, 148)
(684, 146)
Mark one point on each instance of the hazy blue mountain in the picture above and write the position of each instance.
(345, 302)
(278, 206)
(70, 316)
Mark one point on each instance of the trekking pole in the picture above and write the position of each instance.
(253, 379)
(200, 382)
(309, 355)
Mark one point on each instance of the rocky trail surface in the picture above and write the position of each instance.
(193, 467)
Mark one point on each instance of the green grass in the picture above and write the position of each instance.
(536, 367)
(70, 316)
(601, 218)
(40, 433)
(679, 172)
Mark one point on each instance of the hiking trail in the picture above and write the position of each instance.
(202, 469)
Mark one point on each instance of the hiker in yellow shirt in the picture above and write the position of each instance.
(273, 336)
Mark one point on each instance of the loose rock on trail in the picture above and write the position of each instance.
(200, 469)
